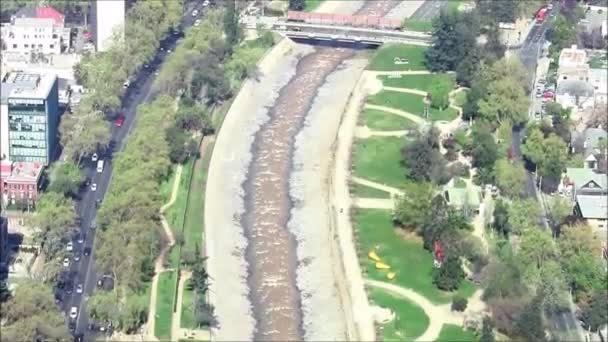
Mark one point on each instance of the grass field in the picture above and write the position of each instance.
(454, 333)
(359, 190)
(460, 97)
(418, 25)
(419, 82)
(187, 319)
(175, 213)
(407, 258)
(384, 58)
(383, 121)
(410, 320)
(164, 189)
(167, 281)
(312, 5)
(194, 222)
(411, 103)
(378, 159)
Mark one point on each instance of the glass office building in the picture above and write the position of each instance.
(33, 116)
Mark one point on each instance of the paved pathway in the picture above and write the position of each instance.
(402, 72)
(438, 314)
(364, 132)
(378, 186)
(158, 265)
(374, 203)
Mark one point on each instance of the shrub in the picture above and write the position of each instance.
(459, 304)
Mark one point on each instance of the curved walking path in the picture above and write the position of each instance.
(374, 203)
(158, 265)
(402, 113)
(364, 132)
(378, 186)
(438, 314)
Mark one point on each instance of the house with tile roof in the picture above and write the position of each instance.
(588, 189)
(592, 143)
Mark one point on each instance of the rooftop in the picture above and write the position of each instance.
(20, 171)
(581, 176)
(42, 12)
(27, 85)
(575, 88)
(33, 22)
(593, 207)
(572, 56)
(589, 139)
(459, 197)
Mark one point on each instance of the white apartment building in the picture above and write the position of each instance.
(28, 35)
(572, 65)
(107, 19)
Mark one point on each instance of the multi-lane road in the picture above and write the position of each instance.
(83, 272)
(429, 10)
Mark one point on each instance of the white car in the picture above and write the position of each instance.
(73, 312)
(93, 186)
(66, 262)
(70, 246)
(194, 13)
(79, 288)
(197, 22)
(205, 3)
(94, 157)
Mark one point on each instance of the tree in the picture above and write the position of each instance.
(560, 117)
(506, 100)
(536, 249)
(498, 11)
(449, 275)
(529, 325)
(459, 304)
(231, 24)
(595, 312)
(558, 209)
(84, 133)
(510, 178)
(598, 116)
(454, 37)
(487, 330)
(65, 178)
(524, 215)
(5, 293)
(297, 5)
(411, 209)
(31, 314)
(53, 221)
(423, 158)
(484, 149)
(501, 218)
(552, 287)
(439, 93)
(563, 33)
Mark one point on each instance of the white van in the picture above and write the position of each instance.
(100, 166)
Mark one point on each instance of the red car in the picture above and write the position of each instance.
(548, 95)
(119, 120)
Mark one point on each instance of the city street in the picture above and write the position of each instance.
(83, 271)
(429, 10)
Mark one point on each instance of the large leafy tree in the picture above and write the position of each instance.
(595, 312)
(506, 100)
(54, 221)
(66, 177)
(412, 208)
(524, 215)
(454, 36)
(423, 158)
(449, 276)
(510, 177)
(529, 325)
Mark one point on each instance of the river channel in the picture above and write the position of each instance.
(271, 249)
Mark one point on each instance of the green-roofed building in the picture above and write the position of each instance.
(467, 199)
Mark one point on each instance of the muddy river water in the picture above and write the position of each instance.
(271, 250)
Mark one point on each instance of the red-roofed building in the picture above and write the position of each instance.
(36, 30)
(19, 182)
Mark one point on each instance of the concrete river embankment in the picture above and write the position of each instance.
(261, 239)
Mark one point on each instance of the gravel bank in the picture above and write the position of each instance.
(224, 205)
(321, 304)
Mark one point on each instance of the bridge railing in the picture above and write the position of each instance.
(307, 26)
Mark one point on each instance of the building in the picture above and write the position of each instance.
(30, 116)
(36, 30)
(19, 182)
(575, 94)
(592, 143)
(598, 78)
(572, 65)
(594, 209)
(107, 21)
(466, 199)
(589, 191)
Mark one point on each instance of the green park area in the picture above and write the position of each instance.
(167, 281)
(409, 322)
(418, 25)
(382, 121)
(377, 159)
(363, 191)
(460, 97)
(453, 333)
(188, 307)
(411, 103)
(418, 82)
(404, 254)
(384, 60)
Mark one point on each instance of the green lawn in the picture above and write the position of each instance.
(167, 281)
(359, 190)
(175, 213)
(410, 320)
(419, 82)
(383, 121)
(378, 159)
(460, 97)
(599, 61)
(454, 333)
(418, 25)
(193, 225)
(187, 320)
(166, 185)
(384, 58)
(311, 5)
(411, 103)
(413, 264)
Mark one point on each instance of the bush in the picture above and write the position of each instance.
(459, 304)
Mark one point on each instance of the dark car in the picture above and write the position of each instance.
(77, 256)
(72, 326)
(69, 288)
(86, 251)
(79, 338)
(98, 203)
